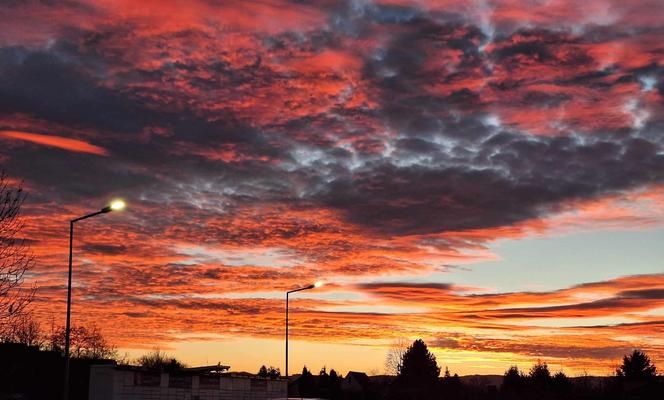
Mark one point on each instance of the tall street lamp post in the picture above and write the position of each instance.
(117, 205)
(315, 285)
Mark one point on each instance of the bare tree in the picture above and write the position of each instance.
(15, 256)
(24, 330)
(394, 358)
(86, 342)
(157, 359)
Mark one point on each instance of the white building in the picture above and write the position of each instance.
(113, 382)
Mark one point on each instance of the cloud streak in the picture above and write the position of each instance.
(74, 145)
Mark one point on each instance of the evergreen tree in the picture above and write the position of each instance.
(539, 375)
(262, 372)
(324, 389)
(451, 385)
(418, 377)
(637, 366)
(419, 365)
(512, 381)
(561, 384)
(335, 385)
(306, 384)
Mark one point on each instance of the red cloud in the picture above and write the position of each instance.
(74, 145)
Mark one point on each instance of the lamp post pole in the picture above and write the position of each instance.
(287, 293)
(115, 206)
(315, 285)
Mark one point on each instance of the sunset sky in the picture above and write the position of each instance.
(485, 175)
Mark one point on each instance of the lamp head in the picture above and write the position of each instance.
(116, 205)
(318, 284)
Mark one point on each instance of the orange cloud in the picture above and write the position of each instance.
(74, 145)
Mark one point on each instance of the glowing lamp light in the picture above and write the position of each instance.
(118, 205)
(318, 284)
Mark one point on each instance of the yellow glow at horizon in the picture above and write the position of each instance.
(248, 354)
(118, 205)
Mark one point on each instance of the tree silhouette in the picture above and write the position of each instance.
(159, 360)
(324, 389)
(418, 377)
(306, 384)
(273, 372)
(637, 366)
(513, 380)
(335, 385)
(561, 384)
(451, 385)
(269, 372)
(15, 256)
(419, 365)
(85, 342)
(540, 375)
(23, 330)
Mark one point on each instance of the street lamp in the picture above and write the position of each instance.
(312, 286)
(116, 205)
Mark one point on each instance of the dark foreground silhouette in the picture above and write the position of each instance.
(419, 378)
(28, 372)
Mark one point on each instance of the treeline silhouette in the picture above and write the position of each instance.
(85, 341)
(325, 385)
(417, 373)
(418, 378)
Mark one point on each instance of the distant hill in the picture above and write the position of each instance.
(482, 380)
(497, 380)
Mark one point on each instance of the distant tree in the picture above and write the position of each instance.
(419, 364)
(15, 256)
(24, 330)
(637, 366)
(85, 342)
(324, 389)
(539, 374)
(273, 372)
(451, 385)
(269, 372)
(513, 380)
(394, 357)
(306, 385)
(335, 385)
(418, 377)
(561, 384)
(159, 360)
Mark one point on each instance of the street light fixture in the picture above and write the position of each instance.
(312, 286)
(116, 205)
